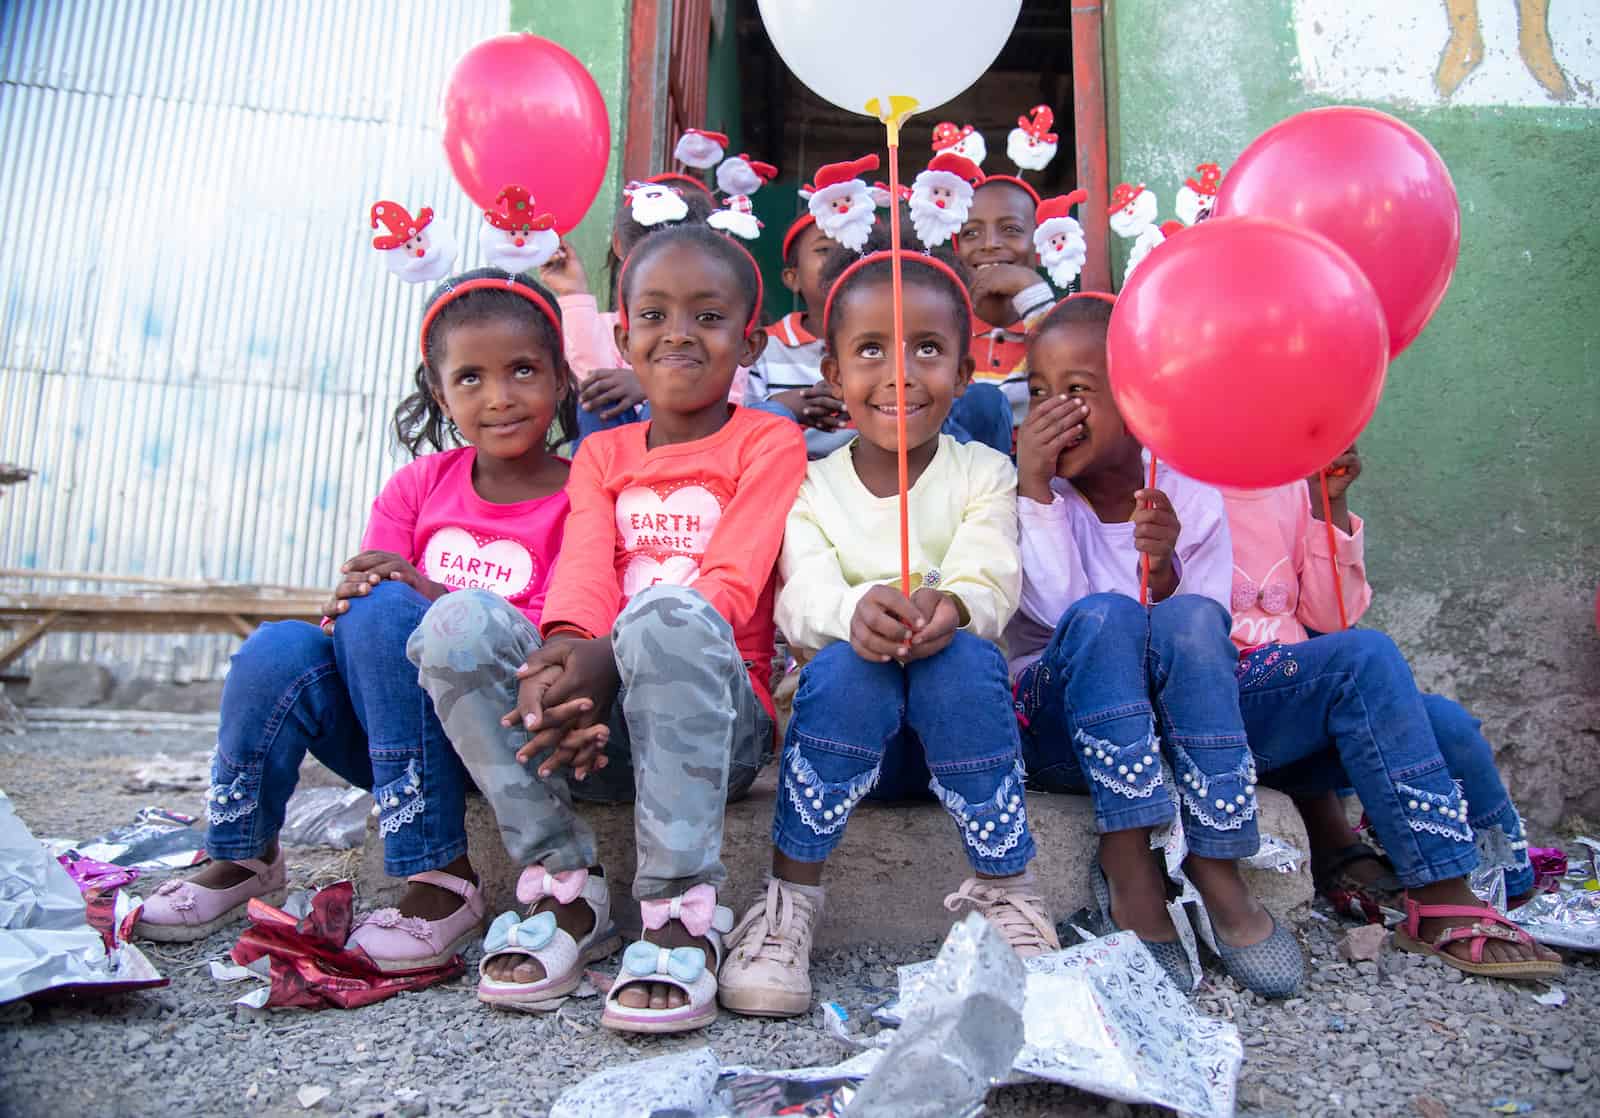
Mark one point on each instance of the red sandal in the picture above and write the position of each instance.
(1487, 924)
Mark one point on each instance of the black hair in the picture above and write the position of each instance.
(1069, 312)
(931, 279)
(725, 249)
(1032, 200)
(628, 232)
(419, 421)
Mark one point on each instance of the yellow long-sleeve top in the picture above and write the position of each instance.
(840, 540)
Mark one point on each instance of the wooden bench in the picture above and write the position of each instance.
(32, 604)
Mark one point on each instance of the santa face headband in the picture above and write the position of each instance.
(456, 291)
(750, 327)
(905, 258)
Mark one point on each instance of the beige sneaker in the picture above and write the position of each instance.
(1014, 908)
(768, 969)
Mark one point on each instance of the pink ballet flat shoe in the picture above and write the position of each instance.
(399, 943)
(181, 911)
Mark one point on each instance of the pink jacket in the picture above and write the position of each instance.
(1282, 581)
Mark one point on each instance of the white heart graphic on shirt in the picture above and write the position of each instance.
(455, 557)
(680, 523)
(644, 572)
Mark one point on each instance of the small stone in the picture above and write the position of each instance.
(1430, 1107)
(1370, 1070)
(1364, 943)
(311, 1094)
(1555, 1061)
(135, 1038)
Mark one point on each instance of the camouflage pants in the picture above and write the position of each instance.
(687, 732)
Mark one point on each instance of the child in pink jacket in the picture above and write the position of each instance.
(1341, 709)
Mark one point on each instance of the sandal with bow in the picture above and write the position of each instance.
(539, 938)
(685, 968)
(1486, 924)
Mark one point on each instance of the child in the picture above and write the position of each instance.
(996, 245)
(903, 693)
(1342, 708)
(1111, 693)
(648, 676)
(789, 373)
(610, 393)
(487, 514)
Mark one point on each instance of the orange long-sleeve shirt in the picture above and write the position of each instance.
(707, 514)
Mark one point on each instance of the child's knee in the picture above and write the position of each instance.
(276, 653)
(386, 610)
(669, 621)
(462, 631)
(1097, 614)
(1190, 625)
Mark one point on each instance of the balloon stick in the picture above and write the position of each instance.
(1144, 559)
(892, 111)
(1333, 547)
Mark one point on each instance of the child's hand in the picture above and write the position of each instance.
(884, 623)
(567, 686)
(1155, 533)
(817, 406)
(563, 273)
(994, 282)
(1342, 472)
(1053, 425)
(372, 568)
(943, 621)
(611, 391)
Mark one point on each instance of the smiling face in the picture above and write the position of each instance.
(685, 332)
(860, 362)
(999, 227)
(499, 382)
(1069, 359)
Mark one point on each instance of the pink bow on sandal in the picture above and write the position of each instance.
(537, 883)
(696, 909)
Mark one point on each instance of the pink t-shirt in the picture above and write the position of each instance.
(430, 513)
(1282, 580)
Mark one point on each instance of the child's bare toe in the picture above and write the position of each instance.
(635, 996)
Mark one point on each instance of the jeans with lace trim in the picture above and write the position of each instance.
(941, 725)
(352, 701)
(1138, 707)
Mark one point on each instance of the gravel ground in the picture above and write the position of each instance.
(1399, 1036)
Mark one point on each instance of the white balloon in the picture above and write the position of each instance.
(849, 52)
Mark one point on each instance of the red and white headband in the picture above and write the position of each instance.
(906, 257)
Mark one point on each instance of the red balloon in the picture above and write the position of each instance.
(521, 110)
(1370, 184)
(1246, 352)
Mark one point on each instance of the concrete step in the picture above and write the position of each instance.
(887, 880)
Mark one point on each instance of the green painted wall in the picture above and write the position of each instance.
(1481, 485)
(596, 31)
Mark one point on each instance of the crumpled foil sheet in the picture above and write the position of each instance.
(1104, 1017)
(1570, 915)
(959, 1034)
(46, 941)
(677, 1084)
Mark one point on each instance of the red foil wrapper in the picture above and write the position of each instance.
(310, 966)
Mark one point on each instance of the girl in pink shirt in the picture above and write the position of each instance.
(488, 514)
(1342, 710)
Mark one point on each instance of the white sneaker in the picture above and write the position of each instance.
(768, 969)
(1014, 908)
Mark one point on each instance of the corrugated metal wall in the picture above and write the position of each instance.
(199, 349)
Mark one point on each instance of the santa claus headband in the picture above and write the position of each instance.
(1014, 181)
(673, 178)
(800, 225)
(454, 291)
(750, 327)
(400, 224)
(906, 257)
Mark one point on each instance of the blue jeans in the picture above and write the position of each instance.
(353, 702)
(1118, 689)
(1343, 708)
(981, 414)
(861, 727)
